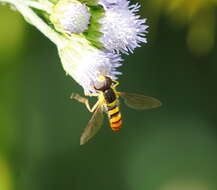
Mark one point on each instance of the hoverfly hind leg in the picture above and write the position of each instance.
(84, 101)
(92, 94)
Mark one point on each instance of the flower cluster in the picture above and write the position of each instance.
(109, 28)
(90, 35)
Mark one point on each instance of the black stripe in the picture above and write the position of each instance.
(111, 107)
(116, 121)
(114, 114)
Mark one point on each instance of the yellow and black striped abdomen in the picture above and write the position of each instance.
(114, 116)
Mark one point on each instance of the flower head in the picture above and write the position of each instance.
(122, 29)
(70, 16)
(85, 63)
(111, 3)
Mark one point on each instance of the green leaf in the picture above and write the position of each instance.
(90, 2)
(93, 32)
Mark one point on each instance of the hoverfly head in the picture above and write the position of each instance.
(103, 83)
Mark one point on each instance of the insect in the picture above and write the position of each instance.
(108, 101)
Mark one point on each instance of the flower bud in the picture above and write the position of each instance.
(70, 16)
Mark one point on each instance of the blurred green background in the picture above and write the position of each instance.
(170, 148)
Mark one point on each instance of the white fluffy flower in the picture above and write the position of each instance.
(122, 29)
(84, 63)
(70, 16)
(111, 3)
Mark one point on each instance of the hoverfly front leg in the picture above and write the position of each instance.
(116, 83)
(85, 101)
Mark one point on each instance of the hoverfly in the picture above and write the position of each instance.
(108, 102)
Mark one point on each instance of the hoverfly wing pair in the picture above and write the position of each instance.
(139, 101)
(93, 125)
(135, 101)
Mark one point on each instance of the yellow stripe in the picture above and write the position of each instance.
(112, 104)
(115, 110)
(116, 126)
(116, 118)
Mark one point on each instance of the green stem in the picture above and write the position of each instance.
(42, 5)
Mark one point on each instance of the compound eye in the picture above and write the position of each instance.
(103, 83)
(99, 85)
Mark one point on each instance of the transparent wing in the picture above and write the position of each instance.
(93, 126)
(139, 101)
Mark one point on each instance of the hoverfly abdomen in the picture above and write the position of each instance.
(114, 114)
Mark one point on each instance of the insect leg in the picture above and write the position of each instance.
(84, 101)
(93, 94)
(116, 83)
(94, 107)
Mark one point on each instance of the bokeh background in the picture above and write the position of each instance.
(170, 148)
